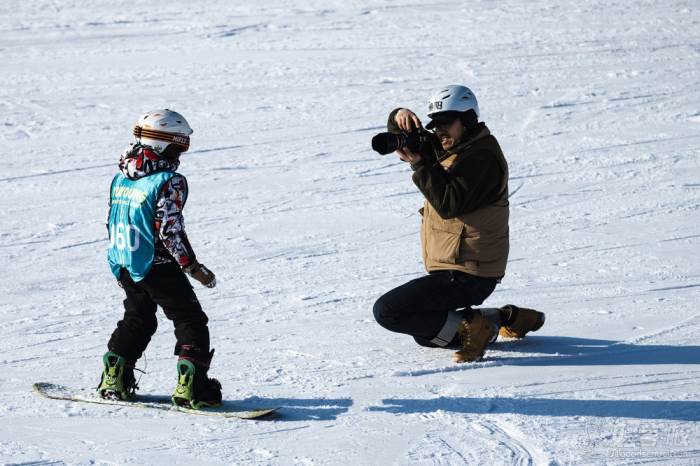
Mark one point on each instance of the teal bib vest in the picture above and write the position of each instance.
(132, 234)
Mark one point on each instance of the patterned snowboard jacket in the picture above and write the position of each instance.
(172, 244)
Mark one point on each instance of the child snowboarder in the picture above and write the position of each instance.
(149, 254)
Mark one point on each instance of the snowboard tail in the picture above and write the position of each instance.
(227, 409)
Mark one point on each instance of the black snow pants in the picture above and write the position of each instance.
(166, 286)
(420, 307)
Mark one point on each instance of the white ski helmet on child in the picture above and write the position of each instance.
(452, 98)
(161, 128)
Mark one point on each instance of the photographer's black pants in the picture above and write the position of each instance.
(168, 287)
(420, 307)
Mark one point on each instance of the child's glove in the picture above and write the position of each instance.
(200, 273)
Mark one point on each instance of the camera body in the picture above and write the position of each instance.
(386, 143)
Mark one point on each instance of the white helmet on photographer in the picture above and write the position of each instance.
(455, 99)
(162, 128)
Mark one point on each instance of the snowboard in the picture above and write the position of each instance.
(227, 409)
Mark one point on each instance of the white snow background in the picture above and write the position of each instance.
(597, 107)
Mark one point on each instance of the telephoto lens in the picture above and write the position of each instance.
(386, 143)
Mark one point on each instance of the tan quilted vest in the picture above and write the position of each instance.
(475, 243)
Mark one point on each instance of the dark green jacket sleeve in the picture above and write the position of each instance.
(473, 181)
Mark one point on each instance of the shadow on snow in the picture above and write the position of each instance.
(572, 351)
(290, 409)
(639, 409)
(302, 409)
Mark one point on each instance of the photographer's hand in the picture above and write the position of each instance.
(407, 156)
(407, 120)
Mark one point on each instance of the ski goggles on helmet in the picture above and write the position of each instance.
(179, 140)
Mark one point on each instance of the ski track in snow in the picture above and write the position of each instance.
(597, 108)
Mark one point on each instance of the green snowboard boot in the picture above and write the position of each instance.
(194, 389)
(118, 382)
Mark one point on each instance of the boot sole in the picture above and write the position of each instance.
(459, 360)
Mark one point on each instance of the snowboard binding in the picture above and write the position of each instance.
(118, 382)
(194, 389)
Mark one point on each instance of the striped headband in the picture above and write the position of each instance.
(171, 138)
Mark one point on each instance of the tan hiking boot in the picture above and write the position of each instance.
(474, 336)
(524, 320)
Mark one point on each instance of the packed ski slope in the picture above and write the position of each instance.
(597, 107)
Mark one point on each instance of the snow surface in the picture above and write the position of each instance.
(597, 107)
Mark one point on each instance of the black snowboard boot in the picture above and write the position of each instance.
(194, 388)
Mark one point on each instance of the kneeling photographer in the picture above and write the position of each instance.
(461, 171)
